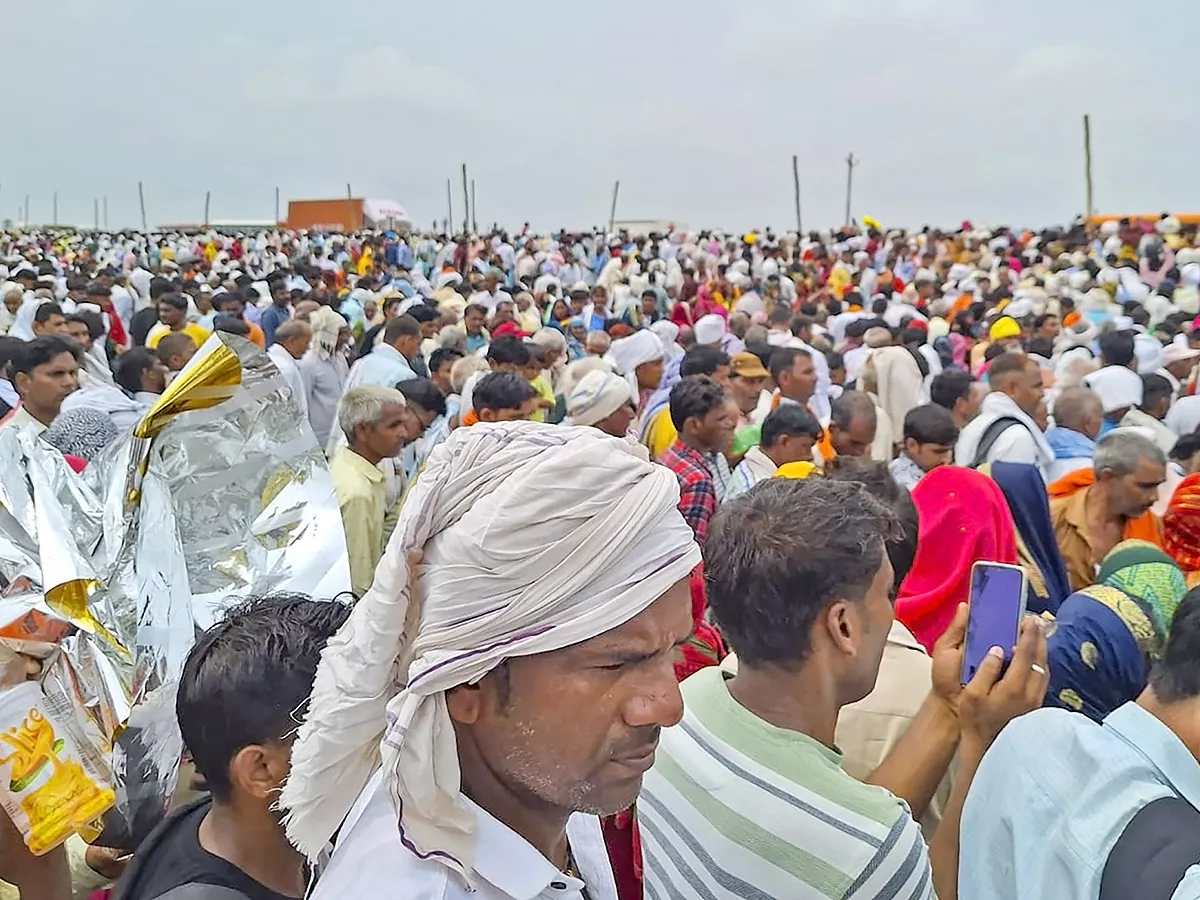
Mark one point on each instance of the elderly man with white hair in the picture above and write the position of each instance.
(376, 424)
(504, 609)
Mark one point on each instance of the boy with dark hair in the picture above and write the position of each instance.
(503, 397)
(929, 438)
(241, 698)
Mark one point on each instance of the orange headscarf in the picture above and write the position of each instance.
(1145, 527)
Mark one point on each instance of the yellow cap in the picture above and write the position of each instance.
(1004, 327)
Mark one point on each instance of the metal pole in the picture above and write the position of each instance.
(449, 210)
(350, 209)
(1087, 168)
(796, 184)
(26, 209)
(96, 213)
(474, 209)
(612, 213)
(466, 202)
(207, 200)
(851, 162)
(142, 203)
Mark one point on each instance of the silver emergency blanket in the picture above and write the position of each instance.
(220, 494)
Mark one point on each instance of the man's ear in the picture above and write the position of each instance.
(843, 626)
(464, 703)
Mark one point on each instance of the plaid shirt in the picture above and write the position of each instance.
(697, 487)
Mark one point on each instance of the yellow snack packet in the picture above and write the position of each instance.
(44, 787)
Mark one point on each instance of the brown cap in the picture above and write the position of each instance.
(747, 365)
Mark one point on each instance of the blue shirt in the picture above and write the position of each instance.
(385, 366)
(1053, 795)
(272, 317)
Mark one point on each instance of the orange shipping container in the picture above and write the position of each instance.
(345, 214)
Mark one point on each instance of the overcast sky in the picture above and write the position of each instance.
(956, 108)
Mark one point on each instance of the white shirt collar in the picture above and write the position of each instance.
(509, 862)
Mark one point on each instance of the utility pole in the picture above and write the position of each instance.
(612, 212)
(851, 162)
(207, 200)
(474, 210)
(55, 209)
(1087, 170)
(142, 203)
(449, 210)
(26, 209)
(350, 209)
(106, 213)
(96, 213)
(276, 207)
(466, 202)
(796, 185)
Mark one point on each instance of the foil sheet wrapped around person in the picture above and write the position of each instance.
(219, 494)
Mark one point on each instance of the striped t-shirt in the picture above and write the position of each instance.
(737, 808)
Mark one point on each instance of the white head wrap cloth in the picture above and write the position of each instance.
(596, 397)
(668, 332)
(514, 563)
(630, 352)
(1117, 386)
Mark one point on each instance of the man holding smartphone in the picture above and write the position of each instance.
(800, 582)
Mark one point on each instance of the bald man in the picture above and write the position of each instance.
(1078, 416)
(292, 340)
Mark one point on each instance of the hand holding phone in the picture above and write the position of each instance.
(994, 619)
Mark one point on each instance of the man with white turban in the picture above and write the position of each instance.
(506, 678)
(1119, 389)
(325, 370)
(604, 401)
(640, 359)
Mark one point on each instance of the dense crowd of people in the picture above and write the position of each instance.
(662, 551)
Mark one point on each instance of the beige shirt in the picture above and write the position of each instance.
(22, 419)
(362, 496)
(869, 729)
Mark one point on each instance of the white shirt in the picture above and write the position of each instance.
(125, 411)
(490, 301)
(290, 370)
(370, 861)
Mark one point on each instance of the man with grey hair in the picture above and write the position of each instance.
(852, 424)
(292, 340)
(376, 424)
(597, 343)
(1094, 512)
(1078, 418)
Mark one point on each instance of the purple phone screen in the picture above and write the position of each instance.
(997, 604)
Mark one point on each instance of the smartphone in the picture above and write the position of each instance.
(997, 605)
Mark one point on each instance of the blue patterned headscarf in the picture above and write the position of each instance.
(1025, 492)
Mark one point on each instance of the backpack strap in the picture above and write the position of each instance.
(990, 435)
(1154, 852)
